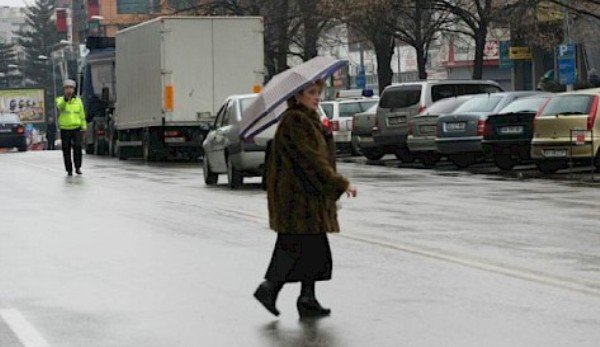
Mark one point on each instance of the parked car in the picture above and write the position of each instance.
(400, 102)
(341, 113)
(12, 132)
(507, 136)
(362, 134)
(422, 129)
(225, 152)
(460, 133)
(563, 131)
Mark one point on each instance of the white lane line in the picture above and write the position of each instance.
(24, 331)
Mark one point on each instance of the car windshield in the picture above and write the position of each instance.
(444, 106)
(372, 109)
(400, 97)
(524, 105)
(246, 102)
(9, 118)
(568, 105)
(485, 103)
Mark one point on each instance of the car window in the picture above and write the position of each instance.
(229, 116)
(485, 103)
(568, 105)
(366, 105)
(401, 97)
(9, 118)
(373, 109)
(524, 105)
(444, 106)
(444, 91)
(220, 115)
(328, 109)
(349, 109)
(245, 103)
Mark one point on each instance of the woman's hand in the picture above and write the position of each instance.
(351, 191)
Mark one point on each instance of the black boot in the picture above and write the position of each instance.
(307, 304)
(266, 294)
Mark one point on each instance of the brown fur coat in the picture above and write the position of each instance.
(302, 183)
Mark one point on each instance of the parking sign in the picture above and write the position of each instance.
(566, 64)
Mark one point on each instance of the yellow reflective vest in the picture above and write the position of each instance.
(71, 114)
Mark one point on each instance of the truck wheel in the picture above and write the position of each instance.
(121, 153)
(373, 154)
(550, 167)
(89, 149)
(505, 162)
(463, 161)
(210, 178)
(234, 177)
(149, 147)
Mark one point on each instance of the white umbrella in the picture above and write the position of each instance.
(271, 102)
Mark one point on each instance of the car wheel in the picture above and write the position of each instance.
(22, 148)
(373, 154)
(355, 149)
(210, 178)
(550, 167)
(463, 161)
(505, 162)
(405, 156)
(429, 159)
(234, 177)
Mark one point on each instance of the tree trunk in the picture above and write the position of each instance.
(480, 40)
(310, 23)
(283, 41)
(384, 49)
(422, 62)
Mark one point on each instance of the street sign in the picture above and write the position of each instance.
(566, 64)
(520, 53)
(361, 78)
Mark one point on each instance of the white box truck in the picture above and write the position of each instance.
(172, 75)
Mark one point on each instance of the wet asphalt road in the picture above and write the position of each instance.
(133, 254)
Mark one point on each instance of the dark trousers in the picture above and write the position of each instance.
(300, 258)
(71, 139)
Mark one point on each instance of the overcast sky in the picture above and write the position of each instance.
(14, 3)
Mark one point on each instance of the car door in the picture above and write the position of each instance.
(213, 139)
(222, 136)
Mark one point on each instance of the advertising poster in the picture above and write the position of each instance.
(27, 103)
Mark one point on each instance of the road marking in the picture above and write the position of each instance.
(24, 331)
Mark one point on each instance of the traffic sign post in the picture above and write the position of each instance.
(566, 65)
(361, 78)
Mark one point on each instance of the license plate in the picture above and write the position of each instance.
(456, 126)
(511, 130)
(555, 153)
(365, 139)
(425, 129)
(5, 130)
(175, 140)
(396, 120)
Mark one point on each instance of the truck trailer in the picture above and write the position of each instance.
(173, 73)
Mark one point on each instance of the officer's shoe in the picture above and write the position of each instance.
(78, 171)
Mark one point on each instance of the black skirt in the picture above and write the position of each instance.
(298, 258)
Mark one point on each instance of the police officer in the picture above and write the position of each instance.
(72, 124)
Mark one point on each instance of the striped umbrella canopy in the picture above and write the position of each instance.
(268, 107)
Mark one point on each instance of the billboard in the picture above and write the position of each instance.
(27, 103)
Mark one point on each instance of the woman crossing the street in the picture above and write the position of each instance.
(302, 189)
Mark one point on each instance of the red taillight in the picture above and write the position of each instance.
(539, 113)
(422, 108)
(171, 133)
(100, 132)
(20, 130)
(592, 116)
(480, 128)
(335, 125)
(487, 130)
(410, 128)
(327, 124)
